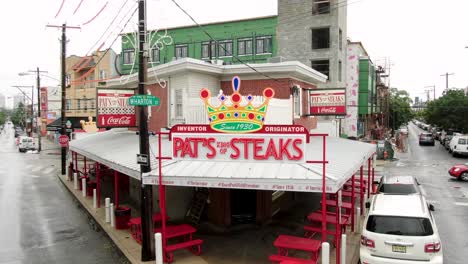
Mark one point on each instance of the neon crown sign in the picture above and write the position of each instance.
(236, 116)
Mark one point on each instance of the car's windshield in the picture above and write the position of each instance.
(462, 141)
(398, 188)
(397, 225)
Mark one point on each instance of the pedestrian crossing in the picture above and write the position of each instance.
(40, 169)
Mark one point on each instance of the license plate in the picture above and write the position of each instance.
(399, 249)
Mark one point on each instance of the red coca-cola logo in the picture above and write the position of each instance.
(124, 120)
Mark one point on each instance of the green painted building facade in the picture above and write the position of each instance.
(367, 87)
(252, 41)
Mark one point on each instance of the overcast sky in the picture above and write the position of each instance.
(422, 38)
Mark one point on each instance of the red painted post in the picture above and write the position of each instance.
(352, 202)
(361, 189)
(76, 162)
(373, 175)
(368, 177)
(338, 227)
(85, 169)
(116, 188)
(98, 184)
(162, 198)
(324, 188)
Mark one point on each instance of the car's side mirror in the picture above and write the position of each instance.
(431, 207)
(367, 205)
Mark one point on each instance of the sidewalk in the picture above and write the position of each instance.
(229, 248)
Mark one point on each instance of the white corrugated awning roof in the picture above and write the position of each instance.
(118, 149)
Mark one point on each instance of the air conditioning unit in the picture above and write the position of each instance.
(217, 62)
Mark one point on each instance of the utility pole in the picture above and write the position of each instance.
(63, 41)
(146, 194)
(39, 132)
(433, 90)
(446, 79)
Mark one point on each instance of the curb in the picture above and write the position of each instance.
(96, 222)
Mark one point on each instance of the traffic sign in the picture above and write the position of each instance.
(144, 100)
(63, 140)
(142, 159)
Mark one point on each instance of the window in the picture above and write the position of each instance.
(225, 48)
(340, 39)
(78, 104)
(297, 98)
(155, 55)
(85, 103)
(178, 103)
(68, 80)
(91, 104)
(339, 71)
(320, 38)
(321, 7)
(206, 50)
(263, 45)
(244, 46)
(128, 56)
(102, 74)
(398, 225)
(462, 141)
(181, 51)
(68, 104)
(322, 66)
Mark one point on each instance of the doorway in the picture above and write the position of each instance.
(243, 206)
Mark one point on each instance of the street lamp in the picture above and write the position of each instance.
(38, 127)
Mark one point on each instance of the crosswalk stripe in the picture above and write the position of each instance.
(49, 170)
(461, 204)
(36, 169)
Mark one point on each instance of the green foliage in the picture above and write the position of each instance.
(3, 115)
(400, 108)
(18, 115)
(449, 111)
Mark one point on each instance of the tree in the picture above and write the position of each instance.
(400, 108)
(18, 115)
(3, 115)
(449, 111)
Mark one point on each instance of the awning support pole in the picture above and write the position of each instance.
(116, 188)
(98, 184)
(373, 174)
(324, 189)
(368, 177)
(76, 162)
(162, 197)
(361, 189)
(338, 227)
(85, 169)
(353, 200)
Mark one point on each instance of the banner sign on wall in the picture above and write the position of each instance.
(113, 109)
(328, 102)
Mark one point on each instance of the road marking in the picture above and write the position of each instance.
(35, 176)
(36, 169)
(461, 204)
(49, 170)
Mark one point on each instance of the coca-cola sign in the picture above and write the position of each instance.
(328, 102)
(113, 108)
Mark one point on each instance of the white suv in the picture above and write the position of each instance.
(400, 229)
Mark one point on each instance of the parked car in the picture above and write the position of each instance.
(404, 130)
(426, 139)
(398, 184)
(400, 229)
(446, 141)
(459, 145)
(459, 171)
(25, 144)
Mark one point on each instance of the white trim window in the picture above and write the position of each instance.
(225, 48)
(206, 52)
(321, 7)
(128, 56)
(263, 45)
(297, 100)
(244, 46)
(155, 55)
(68, 104)
(102, 74)
(179, 106)
(181, 51)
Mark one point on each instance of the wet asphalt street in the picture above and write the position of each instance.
(449, 196)
(39, 220)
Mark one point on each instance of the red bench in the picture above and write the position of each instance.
(177, 231)
(290, 260)
(285, 242)
(193, 246)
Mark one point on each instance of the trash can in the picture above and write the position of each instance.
(122, 217)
